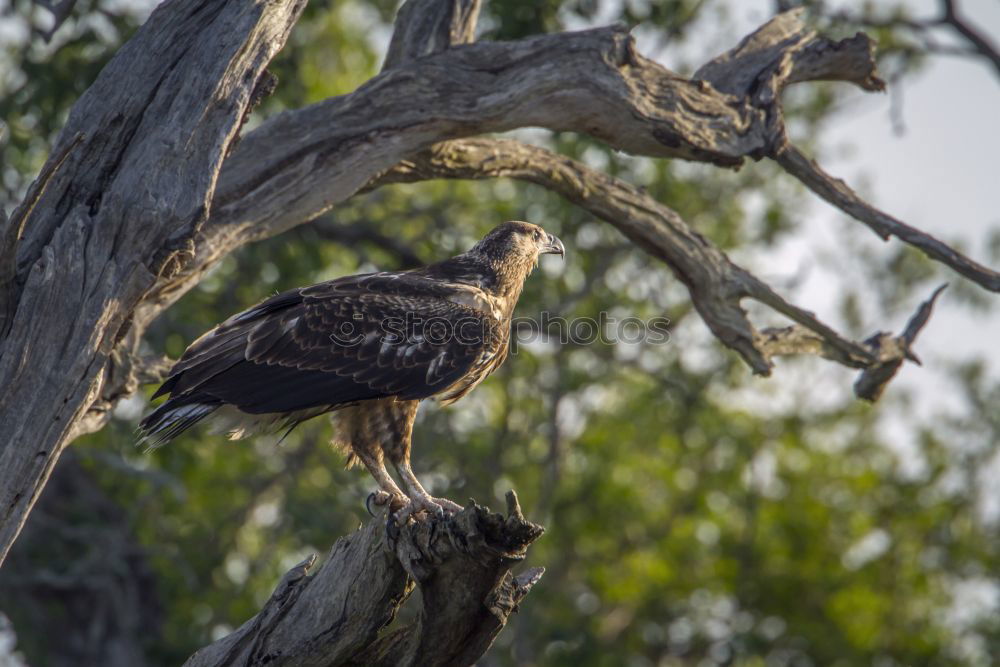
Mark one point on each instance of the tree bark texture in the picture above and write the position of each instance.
(146, 190)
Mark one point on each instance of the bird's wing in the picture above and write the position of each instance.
(339, 342)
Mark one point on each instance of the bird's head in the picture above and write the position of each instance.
(502, 260)
(518, 243)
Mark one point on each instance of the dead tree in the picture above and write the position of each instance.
(149, 186)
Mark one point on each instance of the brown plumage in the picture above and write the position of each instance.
(366, 348)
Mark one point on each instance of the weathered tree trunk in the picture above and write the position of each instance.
(145, 191)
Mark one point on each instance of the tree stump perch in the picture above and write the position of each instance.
(339, 614)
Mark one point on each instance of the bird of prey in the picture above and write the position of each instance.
(366, 348)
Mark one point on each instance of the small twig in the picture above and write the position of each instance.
(892, 351)
(843, 350)
(979, 44)
(982, 45)
(920, 318)
(797, 340)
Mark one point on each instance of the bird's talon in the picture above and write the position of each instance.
(381, 498)
(391, 528)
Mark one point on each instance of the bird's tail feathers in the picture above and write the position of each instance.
(170, 420)
(173, 418)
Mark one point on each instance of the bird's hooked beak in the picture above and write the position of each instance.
(553, 246)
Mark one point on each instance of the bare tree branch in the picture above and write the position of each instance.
(887, 352)
(843, 197)
(893, 350)
(784, 52)
(425, 27)
(980, 43)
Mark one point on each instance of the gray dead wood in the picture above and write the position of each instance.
(340, 614)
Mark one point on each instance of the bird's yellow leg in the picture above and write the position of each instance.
(388, 492)
(419, 498)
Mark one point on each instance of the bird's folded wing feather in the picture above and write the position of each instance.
(339, 342)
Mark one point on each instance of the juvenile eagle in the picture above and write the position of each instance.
(367, 348)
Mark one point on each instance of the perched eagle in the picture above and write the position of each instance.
(367, 348)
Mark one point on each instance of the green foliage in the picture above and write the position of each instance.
(40, 81)
(695, 515)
